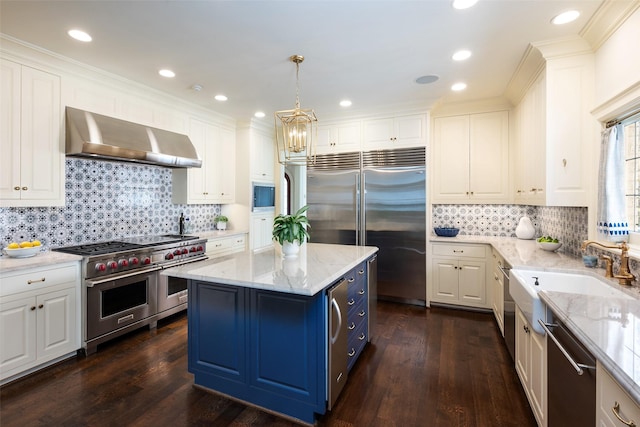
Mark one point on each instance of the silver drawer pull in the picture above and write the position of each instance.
(577, 366)
(352, 352)
(616, 412)
(352, 326)
(351, 280)
(351, 301)
(29, 282)
(125, 318)
(361, 292)
(361, 337)
(361, 272)
(361, 314)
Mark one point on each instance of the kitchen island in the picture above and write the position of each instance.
(258, 323)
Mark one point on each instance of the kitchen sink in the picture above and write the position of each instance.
(524, 290)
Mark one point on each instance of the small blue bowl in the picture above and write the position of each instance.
(446, 231)
(590, 261)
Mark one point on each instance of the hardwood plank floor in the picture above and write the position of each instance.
(424, 367)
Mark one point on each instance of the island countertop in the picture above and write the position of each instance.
(317, 266)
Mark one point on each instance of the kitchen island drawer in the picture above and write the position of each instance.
(357, 341)
(459, 250)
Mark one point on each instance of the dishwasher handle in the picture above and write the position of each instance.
(579, 367)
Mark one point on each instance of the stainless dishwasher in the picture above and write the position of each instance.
(509, 311)
(571, 379)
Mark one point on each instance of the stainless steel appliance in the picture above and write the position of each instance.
(509, 312)
(123, 289)
(337, 340)
(571, 379)
(375, 198)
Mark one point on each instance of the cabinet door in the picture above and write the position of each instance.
(56, 323)
(522, 348)
(445, 279)
(10, 81)
(378, 133)
(451, 159)
(472, 286)
(262, 157)
(498, 299)
(261, 231)
(410, 131)
(538, 376)
(196, 178)
(17, 334)
(489, 156)
(224, 155)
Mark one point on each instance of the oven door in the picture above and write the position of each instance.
(172, 292)
(113, 304)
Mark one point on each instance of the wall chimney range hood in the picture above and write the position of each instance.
(97, 136)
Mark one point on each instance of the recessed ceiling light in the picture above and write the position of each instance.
(345, 103)
(461, 55)
(220, 97)
(79, 35)
(459, 86)
(463, 4)
(166, 73)
(565, 17)
(424, 80)
(259, 114)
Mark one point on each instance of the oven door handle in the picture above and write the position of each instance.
(92, 283)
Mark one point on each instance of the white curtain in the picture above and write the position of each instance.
(612, 216)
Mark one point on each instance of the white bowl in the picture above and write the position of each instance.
(22, 252)
(547, 246)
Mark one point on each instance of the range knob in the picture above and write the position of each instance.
(193, 249)
(146, 261)
(200, 249)
(168, 256)
(185, 251)
(177, 252)
(133, 261)
(112, 265)
(101, 266)
(123, 263)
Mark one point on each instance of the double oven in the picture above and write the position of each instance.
(123, 288)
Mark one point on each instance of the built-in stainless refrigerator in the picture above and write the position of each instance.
(375, 198)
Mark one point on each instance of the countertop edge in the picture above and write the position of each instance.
(42, 259)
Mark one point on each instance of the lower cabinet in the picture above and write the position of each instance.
(458, 273)
(261, 229)
(357, 314)
(614, 407)
(266, 348)
(39, 318)
(531, 366)
(497, 291)
(221, 246)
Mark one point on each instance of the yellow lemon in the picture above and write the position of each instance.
(36, 243)
(26, 245)
(13, 245)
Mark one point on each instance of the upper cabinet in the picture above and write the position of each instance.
(214, 182)
(339, 138)
(556, 133)
(32, 161)
(262, 153)
(395, 132)
(471, 158)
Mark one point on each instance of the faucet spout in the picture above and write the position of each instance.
(624, 276)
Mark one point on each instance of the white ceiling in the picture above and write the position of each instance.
(370, 52)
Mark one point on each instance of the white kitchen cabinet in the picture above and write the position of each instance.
(39, 318)
(531, 366)
(556, 133)
(214, 182)
(339, 137)
(261, 230)
(610, 398)
(458, 274)
(395, 132)
(262, 152)
(497, 292)
(221, 246)
(471, 158)
(32, 161)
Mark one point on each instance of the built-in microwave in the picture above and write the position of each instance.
(264, 197)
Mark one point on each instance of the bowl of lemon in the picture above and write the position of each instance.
(23, 249)
(548, 243)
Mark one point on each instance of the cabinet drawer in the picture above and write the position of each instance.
(226, 245)
(357, 341)
(38, 278)
(471, 251)
(609, 393)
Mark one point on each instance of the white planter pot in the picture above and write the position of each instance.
(221, 225)
(290, 250)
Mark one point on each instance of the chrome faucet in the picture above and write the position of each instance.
(624, 276)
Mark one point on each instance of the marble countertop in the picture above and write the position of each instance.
(217, 234)
(608, 327)
(41, 259)
(316, 267)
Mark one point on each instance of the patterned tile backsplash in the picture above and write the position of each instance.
(104, 201)
(568, 224)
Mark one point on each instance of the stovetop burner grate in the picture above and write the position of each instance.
(99, 248)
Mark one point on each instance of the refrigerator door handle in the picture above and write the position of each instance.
(361, 216)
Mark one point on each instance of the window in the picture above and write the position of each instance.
(631, 135)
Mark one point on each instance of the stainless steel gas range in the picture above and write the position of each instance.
(123, 289)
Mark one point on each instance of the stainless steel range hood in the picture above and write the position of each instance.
(97, 136)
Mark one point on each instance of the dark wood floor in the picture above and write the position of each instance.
(425, 367)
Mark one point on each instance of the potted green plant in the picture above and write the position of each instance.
(221, 222)
(291, 231)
